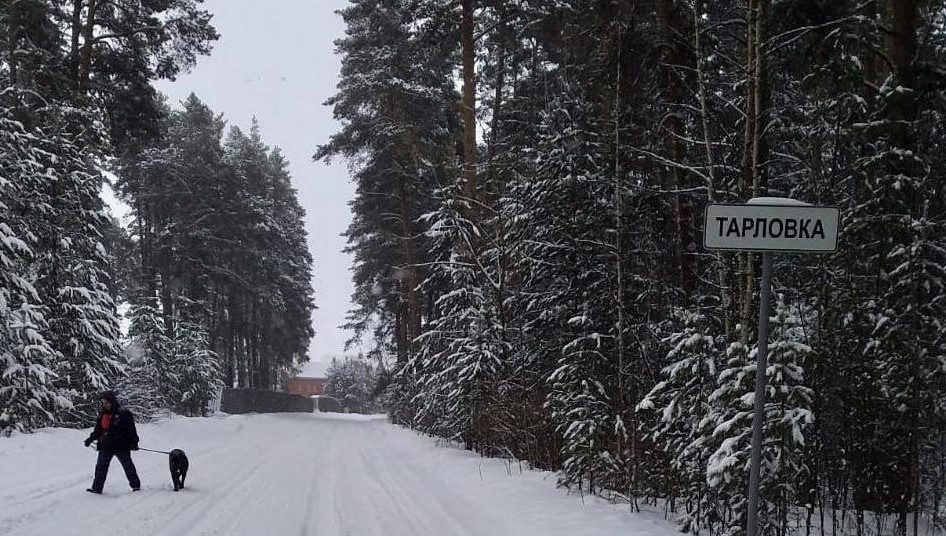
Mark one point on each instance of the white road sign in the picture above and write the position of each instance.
(759, 227)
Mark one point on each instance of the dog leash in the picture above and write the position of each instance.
(158, 451)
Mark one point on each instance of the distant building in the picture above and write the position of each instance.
(301, 385)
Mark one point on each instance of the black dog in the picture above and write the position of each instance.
(178, 462)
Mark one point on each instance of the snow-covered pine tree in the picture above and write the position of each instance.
(568, 270)
(351, 381)
(194, 373)
(787, 416)
(826, 124)
(898, 218)
(926, 277)
(582, 407)
(144, 389)
(274, 261)
(179, 373)
(289, 330)
(464, 347)
(221, 243)
(678, 413)
(906, 343)
(68, 268)
(397, 105)
(69, 86)
(114, 50)
(71, 265)
(28, 397)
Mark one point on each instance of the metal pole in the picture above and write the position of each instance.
(752, 524)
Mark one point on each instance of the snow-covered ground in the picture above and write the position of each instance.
(293, 474)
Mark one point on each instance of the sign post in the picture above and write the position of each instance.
(752, 523)
(767, 224)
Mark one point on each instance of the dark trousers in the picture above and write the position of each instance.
(101, 469)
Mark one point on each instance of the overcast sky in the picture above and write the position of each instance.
(276, 60)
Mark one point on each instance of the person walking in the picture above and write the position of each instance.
(116, 435)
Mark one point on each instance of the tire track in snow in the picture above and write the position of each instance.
(243, 482)
(417, 490)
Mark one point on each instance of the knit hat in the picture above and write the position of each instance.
(111, 397)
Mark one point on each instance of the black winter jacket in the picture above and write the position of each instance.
(121, 434)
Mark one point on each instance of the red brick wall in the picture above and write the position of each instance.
(307, 386)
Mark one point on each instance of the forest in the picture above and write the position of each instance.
(531, 178)
(527, 233)
(211, 274)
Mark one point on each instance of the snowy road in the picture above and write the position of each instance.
(293, 474)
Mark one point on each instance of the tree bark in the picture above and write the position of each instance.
(902, 51)
(88, 32)
(683, 204)
(167, 296)
(13, 31)
(74, 44)
(410, 279)
(752, 181)
(411, 323)
(468, 107)
(760, 100)
(745, 179)
(498, 90)
(721, 259)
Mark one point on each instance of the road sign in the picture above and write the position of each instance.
(771, 227)
(767, 224)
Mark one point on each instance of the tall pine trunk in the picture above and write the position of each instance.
(752, 181)
(88, 33)
(684, 257)
(468, 106)
(721, 260)
(74, 58)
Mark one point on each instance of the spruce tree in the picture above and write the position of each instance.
(678, 411)
(27, 393)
